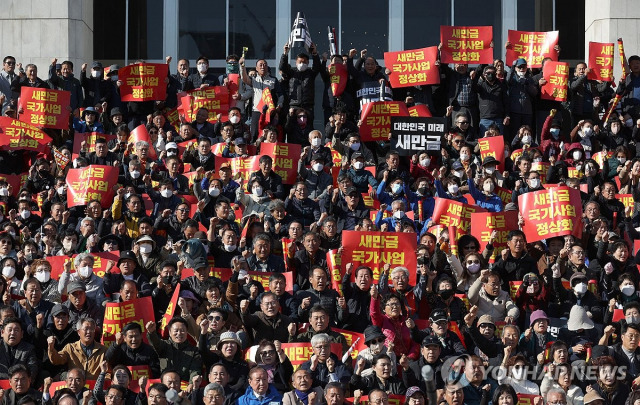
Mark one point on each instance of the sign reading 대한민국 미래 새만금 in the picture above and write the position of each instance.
(410, 135)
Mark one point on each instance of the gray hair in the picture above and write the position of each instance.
(83, 320)
(87, 219)
(140, 144)
(402, 269)
(555, 391)
(83, 256)
(214, 387)
(261, 236)
(400, 203)
(512, 327)
(320, 338)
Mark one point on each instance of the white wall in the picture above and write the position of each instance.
(36, 31)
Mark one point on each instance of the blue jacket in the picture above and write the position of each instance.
(271, 397)
(361, 179)
(386, 197)
(491, 203)
(83, 128)
(444, 194)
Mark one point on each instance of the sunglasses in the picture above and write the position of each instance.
(216, 318)
(376, 341)
(463, 122)
(268, 352)
(473, 262)
(457, 141)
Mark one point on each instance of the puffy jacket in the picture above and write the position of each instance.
(184, 358)
(144, 355)
(521, 94)
(395, 331)
(498, 308)
(23, 353)
(249, 398)
(301, 85)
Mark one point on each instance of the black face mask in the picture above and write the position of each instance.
(446, 294)
(422, 190)
(490, 77)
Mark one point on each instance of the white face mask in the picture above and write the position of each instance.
(537, 160)
(214, 191)
(96, 74)
(166, 193)
(25, 214)
(68, 245)
(580, 288)
(234, 119)
(632, 319)
(203, 67)
(60, 190)
(586, 132)
(622, 160)
(43, 276)
(317, 167)
(315, 142)
(134, 174)
(146, 248)
(355, 146)
(358, 165)
(84, 271)
(453, 188)
(425, 162)
(230, 248)
(628, 290)
(577, 154)
(127, 195)
(458, 173)
(473, 268)
(171, 152)
(376, 348)
(8, 272)
(464, 156)
(398, 214)
(302, 66)
(534, 183)
(526, 140)
(489, 170)
(396, 188)
(521, 73)
(488, 187)
(257, 191)
(4, 192)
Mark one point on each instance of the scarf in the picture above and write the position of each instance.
(269, 369)
(303, 396)
(608, 391)
(204, 158)
(542, 340)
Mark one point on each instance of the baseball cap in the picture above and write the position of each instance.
(76, 286)
(59, 309)
(520, 62)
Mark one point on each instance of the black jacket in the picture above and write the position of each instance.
(303, 263)
(112, 282)
(145, 355)
(22, 353)
(393, 385)
(272, 183)
(301, 85)
(493, 99)
(195, 80)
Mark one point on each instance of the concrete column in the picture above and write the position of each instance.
(36, 31)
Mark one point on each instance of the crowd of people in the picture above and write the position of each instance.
(458, 336)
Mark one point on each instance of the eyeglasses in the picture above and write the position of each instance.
(268, 352)
(183, 209)
(469, 262)
(216, 318)
(393, 304)
(269, 303)
(376, 341)
(112, 397)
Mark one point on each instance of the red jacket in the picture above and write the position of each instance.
(395, 330)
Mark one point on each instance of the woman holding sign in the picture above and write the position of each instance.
(486, 199)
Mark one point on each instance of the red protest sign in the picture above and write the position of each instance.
(45, 108)
(527, 399)
(492, 146)
(16, 181)
(215, 99)
(364, 400)
(338, 76)
(335, 269)
(552, 212)
(623, 62)
(143, 82)
(484, 223)
(299, 353)
(118, 314)
(94, 182)
(557, 76)
(466, 44)
(242, 166)
(375, 249)
(601, 61)
(542, 168)
(265, 116)
(376, 119)
(233, 85)
(285, 159)
(626, 199)
(18, 135)
(532, 47)
(505, 194)
(61, 160)
(351, 338)
(100, 261)
(173, 116)
(420, 110)
(140, 133)
(90, 141)
(168, 314)
(453, 213)
(413, 67)
(58, 385)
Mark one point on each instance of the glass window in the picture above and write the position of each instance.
(366, 26)
(145, 30)
(422, 21)
(526, 15)
(488, 12)
(252, 24)
(319, 16)
(202, 29)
